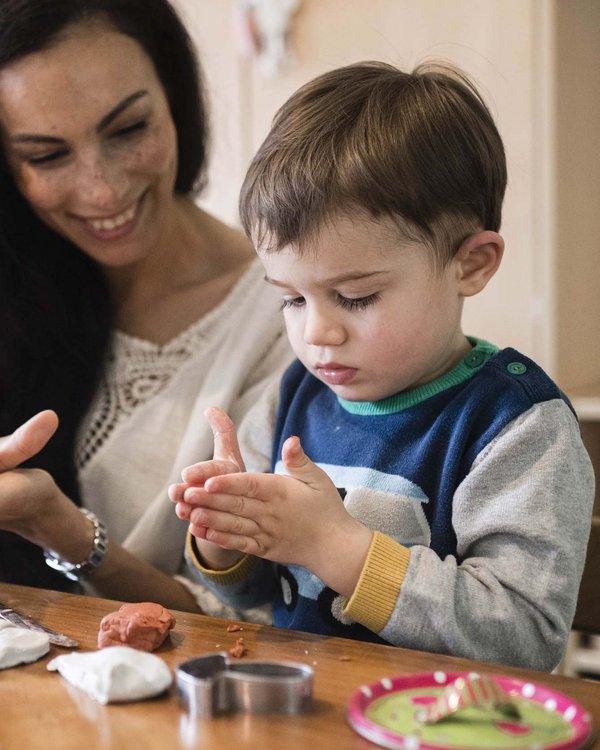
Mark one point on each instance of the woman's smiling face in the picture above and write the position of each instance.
(90, 140)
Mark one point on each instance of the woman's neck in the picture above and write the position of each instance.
(190, 271)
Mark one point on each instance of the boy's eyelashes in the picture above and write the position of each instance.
(348, 303)
(357, 303)
(288, 302)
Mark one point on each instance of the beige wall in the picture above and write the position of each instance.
(507, 46)
(577, 281)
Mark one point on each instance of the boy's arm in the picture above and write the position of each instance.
(522, 519)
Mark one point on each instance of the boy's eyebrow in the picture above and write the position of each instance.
(104, 122)
(333, 280)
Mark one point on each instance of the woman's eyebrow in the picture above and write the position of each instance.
(104, 122)
(121, 106)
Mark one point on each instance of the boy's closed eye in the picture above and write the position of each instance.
(348, 303)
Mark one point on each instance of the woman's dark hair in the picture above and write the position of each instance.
(28, 26)
(55, 316)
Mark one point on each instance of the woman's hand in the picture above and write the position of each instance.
(31, 504)
(27, 440)
(23, 493)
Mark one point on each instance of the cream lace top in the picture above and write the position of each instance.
(147, 421)
(137, 370)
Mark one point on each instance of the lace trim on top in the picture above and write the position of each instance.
(137, 370)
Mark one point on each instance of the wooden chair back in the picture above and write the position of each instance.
(587, 615)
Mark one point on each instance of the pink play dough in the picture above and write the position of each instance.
(144, 626)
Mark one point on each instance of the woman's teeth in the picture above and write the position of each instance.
(104, 225)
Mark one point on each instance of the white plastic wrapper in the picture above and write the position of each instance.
(117, 674)
(20, 646)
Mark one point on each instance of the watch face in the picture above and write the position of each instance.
(389, 713)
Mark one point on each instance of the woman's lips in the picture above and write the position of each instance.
(115, 226)
(334, 374)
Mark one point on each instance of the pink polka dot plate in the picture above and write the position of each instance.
(467, 711)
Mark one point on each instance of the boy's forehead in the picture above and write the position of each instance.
(331, 258)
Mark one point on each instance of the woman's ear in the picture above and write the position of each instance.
(478, 259)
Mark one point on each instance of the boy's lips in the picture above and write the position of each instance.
(335, 374)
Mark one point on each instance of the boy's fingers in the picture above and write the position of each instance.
(197, 474)
(225, 437)
(198, 531)
(175, 492)
(27, 440)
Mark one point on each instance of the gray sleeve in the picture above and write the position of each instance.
(522, 520)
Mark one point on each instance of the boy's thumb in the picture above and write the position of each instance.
(298, 465)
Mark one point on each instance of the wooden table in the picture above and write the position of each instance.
(39, 709)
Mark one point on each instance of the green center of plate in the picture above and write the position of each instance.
(470, 728)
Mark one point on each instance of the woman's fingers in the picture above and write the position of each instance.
(27, 440)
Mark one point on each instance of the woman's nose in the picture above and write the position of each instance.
(100, 184)
(322, 329)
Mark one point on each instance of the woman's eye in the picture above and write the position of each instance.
(357, 303)
(130, 129)
(292, 302)
(44, 159)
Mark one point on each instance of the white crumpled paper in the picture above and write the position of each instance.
(20, 646)
(116, 674)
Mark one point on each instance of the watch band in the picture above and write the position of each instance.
(80, 570)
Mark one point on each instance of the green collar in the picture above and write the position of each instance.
(475, 359)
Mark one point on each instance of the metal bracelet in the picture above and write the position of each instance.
(80, 570)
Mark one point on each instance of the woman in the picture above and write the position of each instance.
(125, 308)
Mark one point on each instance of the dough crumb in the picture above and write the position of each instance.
(239, 649)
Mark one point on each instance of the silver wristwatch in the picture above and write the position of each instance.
(78, 571)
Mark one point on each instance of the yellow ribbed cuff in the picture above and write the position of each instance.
(377, 590)
(238, 572)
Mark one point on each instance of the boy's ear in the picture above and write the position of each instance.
(478, 259)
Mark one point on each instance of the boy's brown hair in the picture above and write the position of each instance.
(421, 147)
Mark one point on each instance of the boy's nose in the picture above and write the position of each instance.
(323, 330)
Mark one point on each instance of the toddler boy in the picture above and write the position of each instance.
(426, 489)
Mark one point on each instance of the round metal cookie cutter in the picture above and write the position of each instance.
(213, 684)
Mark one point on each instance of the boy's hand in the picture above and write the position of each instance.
(227, 459)
(298, 519)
